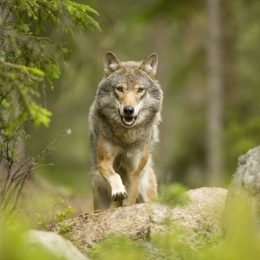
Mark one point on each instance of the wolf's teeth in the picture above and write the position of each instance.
(129, 121)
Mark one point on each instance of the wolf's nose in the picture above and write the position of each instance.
(128, 110)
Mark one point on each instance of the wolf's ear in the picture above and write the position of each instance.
(111, 63)
(150, 65)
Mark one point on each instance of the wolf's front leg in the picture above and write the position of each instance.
(118, 191)
(106, 155)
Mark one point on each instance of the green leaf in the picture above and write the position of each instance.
(40, 115)
(34, 71)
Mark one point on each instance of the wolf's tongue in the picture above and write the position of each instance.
(129, 119)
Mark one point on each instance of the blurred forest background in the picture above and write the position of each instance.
(179, 31)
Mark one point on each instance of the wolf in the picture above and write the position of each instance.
(123, 125)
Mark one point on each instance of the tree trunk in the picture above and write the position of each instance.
(215, 99)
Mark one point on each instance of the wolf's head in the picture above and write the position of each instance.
(129, 93)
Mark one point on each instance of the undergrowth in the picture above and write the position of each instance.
(56, 217)
(240, 240)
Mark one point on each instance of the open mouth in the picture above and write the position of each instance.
(128, 121)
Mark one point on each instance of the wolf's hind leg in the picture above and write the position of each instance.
(148, 187)
(101, 198)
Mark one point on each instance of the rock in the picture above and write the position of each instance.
(200, 217)
(244, 191)
(55, 244)
(247, 175)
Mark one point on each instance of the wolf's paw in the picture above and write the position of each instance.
(121, 195)
(117, 187)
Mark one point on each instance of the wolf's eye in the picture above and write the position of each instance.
(120, 89)
(140, 90)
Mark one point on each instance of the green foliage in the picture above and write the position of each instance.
(62, 13)
(241, 241)
(244, 136)
(14, 244)
(19, 86)
(29, 61)
(171, 246)
(26, 59)
(172, 195)
(78, 11)
(57, 217)
(241, 238)
(115, 247)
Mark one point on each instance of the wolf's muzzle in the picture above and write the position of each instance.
(127, 118)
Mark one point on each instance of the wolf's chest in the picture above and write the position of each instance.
(127, 161)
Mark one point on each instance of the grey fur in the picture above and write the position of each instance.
(105, 120)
